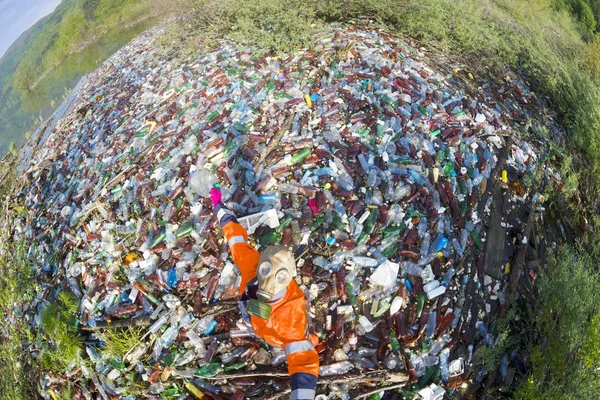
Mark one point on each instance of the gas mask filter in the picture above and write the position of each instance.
(276, 268)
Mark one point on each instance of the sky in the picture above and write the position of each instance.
(16, 16)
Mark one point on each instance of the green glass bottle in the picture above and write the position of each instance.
(179, 203)
(270, 85)
(284, 223)
(170, 392)
(210, 370)
(420, 304)
(235, 367)
(448, 169)
(368, 226)
(393, 229)
(351, 295)
(394, 342)
(270, 238)
(212, 116)
(476, 239)
(317, 222)
(428, 376)
(117, 364)
(300, 156)
(158, 239)
(390, 251)
(463, 208)
(184, 230)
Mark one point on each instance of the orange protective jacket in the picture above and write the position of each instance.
(287, 326)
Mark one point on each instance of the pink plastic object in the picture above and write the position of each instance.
(215, 196)
(312, 203)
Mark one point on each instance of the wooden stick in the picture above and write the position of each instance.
(120, 323)
(274, 142)
(377, 375)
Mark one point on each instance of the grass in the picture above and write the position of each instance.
(120, 341)
(16, 290)
(63, 342)
(565, 350)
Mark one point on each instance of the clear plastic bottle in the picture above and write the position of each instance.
(418, 364)
(444, 364)
(202, 181)
(338, 368)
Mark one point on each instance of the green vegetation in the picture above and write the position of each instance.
(120, 341)
(565, 348)
(63, 344)
(16, 290)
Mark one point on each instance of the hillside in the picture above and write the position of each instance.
(38, 68)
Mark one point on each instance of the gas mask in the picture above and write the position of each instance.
(276, 268)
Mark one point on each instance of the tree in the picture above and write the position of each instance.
(24, 77)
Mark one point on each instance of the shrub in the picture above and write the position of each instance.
(565, 353)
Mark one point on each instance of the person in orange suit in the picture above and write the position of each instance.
(272, 304)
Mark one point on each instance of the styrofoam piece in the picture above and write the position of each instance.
(386, 274)
(432, 392)
(396, 305)
(251, 222)
(431, 286)
(456, 367)
(432, 294)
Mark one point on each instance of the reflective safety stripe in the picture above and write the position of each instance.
(298, 347)
(221, 213)
(302, 394)
(236, 239)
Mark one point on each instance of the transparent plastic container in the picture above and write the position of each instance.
(202, 181)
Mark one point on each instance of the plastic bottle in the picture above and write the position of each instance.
(444, 354)
(159, 323)
(439, 344)
(202, 181)
(338, 368)
(431, 324)
(417, 363)
(484, 333)
(448, 276)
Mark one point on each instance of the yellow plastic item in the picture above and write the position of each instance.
(152, 126)
(436, 174)
(308, 100)
(194, 390)
(504, 177)
(507, 268)
(131, 257)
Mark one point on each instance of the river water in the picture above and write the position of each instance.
(43, 101)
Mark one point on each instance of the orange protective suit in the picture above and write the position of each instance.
(287, 326)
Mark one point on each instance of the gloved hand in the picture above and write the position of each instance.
(215, 196)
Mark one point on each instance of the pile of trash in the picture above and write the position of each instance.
(370, 166)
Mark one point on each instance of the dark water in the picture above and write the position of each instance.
(54, 86)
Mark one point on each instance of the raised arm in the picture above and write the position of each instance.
(244, 255)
